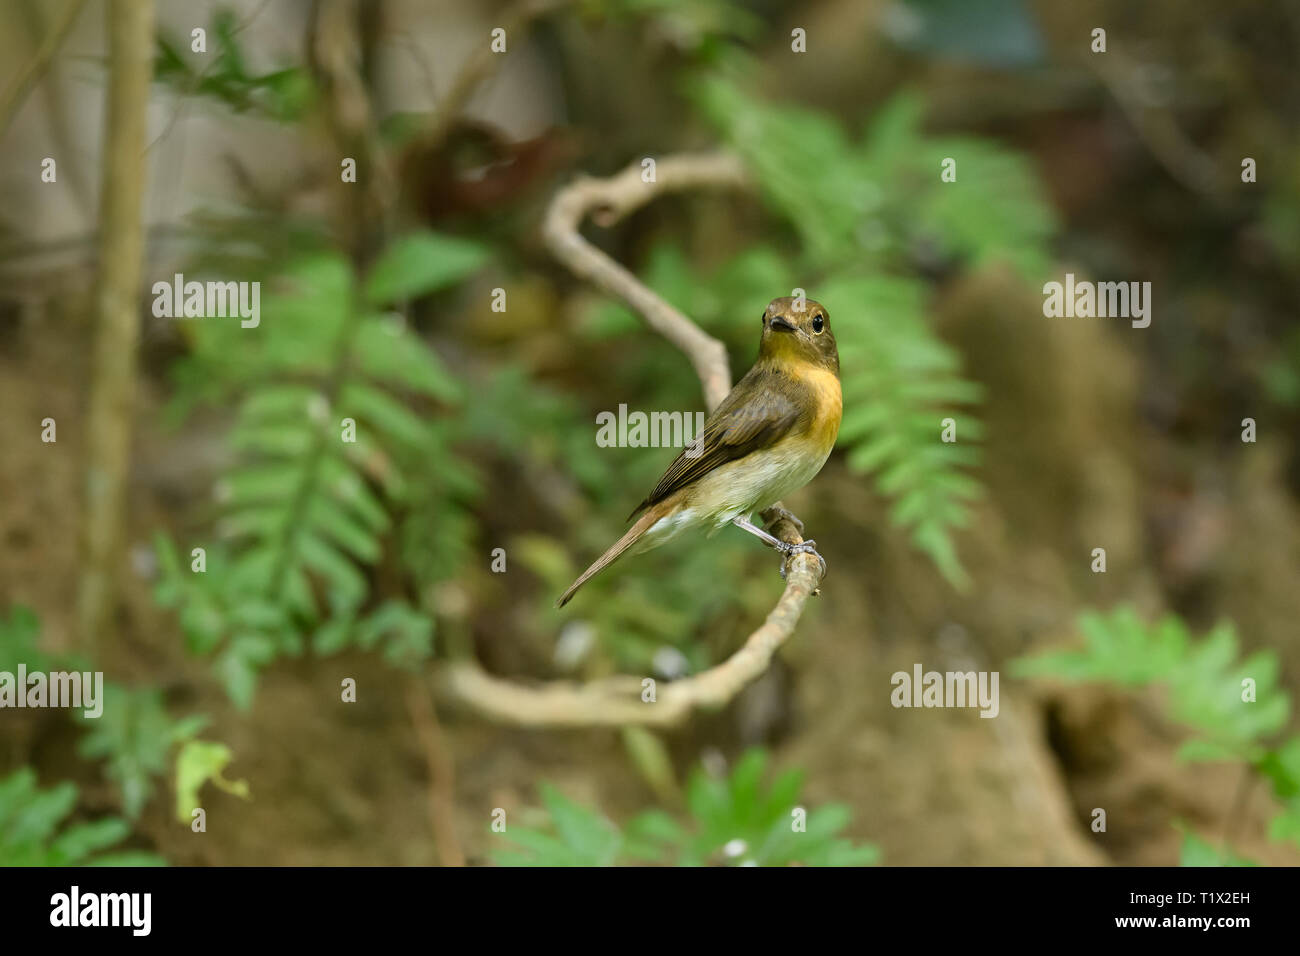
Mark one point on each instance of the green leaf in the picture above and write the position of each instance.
(239, 664)
(338, 526)
(1198, 852)
(29, 825)
(733, 821)
(39, 814)
(582, 838)
(347, 585)
(387, 351)
(421, 263)
(408, 634)
(134, 735)
(334, 635)
(1286, 825)
(200, 762)
(1281, 766)
(78, 842)
(585, 832)
(866, 204)
(20, 641)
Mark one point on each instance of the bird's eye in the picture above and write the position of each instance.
(818, 324)
(764, 319)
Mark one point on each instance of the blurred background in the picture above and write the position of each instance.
(420, 301)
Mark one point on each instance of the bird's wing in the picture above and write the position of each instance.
(748, 420)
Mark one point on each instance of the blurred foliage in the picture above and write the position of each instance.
(1280, 375)
(1231, 705)
(900, 382)
(306, 504)
(20, 641)
(281, 95)
(1204, 678)
(878, 203)
(530, 425)
(134, 736)
(1198, 852)
(699, 28)
(735, 821)
(30, 833)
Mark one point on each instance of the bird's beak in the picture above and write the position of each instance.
(780, 324)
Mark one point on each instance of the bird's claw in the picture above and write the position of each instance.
(804, 547)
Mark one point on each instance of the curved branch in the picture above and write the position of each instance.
(608, 201)
(617, 701)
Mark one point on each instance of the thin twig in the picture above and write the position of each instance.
(1236, 809)
(442, 774)
(481, 63)
(55, 108)
(16, 92)
(1158, 129)
(619, 701)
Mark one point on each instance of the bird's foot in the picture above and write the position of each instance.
(781, 513)
(804, 547)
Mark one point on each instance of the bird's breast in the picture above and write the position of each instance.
(828, 407)
(764, 477)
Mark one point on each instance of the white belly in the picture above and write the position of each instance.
(737, 488)
(757, 481)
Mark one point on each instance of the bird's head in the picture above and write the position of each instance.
(798, 330)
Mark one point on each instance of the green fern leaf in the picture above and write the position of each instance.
(900, 382)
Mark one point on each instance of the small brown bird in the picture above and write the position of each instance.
(768, 437)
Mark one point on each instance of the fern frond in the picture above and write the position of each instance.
(1204, 677)
(900, 382)
(872, 202)
(305, 511)
(803, 162)
(32, 831)
(134, 736)
(1232, 704)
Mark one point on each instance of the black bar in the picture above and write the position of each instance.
(485, 905)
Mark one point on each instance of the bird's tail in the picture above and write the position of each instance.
(615, 551)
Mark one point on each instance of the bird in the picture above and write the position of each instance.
(769, 437)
